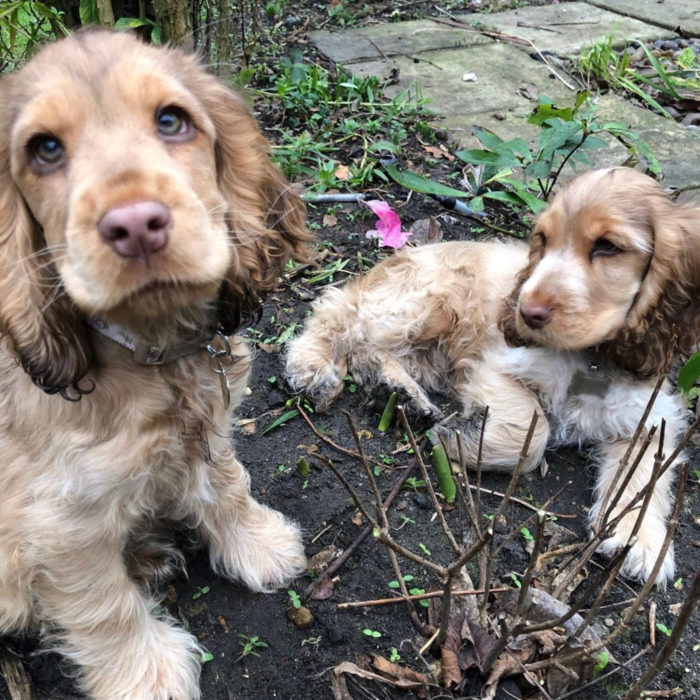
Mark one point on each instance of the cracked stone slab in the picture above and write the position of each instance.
(567, 27)
(506, 79)
(382, 41)
(683, 15)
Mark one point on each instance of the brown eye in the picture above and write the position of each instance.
(46, 153)
(174, 124)
(603, 248)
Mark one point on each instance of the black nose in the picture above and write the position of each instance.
(136, 230)
(536, 315)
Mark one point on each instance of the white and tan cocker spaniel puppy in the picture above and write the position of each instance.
(140, 219)
(576, 329)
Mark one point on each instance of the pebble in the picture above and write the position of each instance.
(301, 617)
(609, 622)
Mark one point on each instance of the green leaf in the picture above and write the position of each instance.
(206, 657)
(689, 374)
(527, 534)
(284, 418)
(418, 183)
(88, 12)
(548, 111)
(492, 158)
(602, 662)
(132, 22)
(662, 628)
(384, 146)
(487, 137)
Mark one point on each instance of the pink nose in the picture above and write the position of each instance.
(536, 315)
(136, 230)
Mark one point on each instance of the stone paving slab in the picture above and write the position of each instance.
(381, 41)
(499, 72)
(566, 27)
(671, 14)
(436, 58)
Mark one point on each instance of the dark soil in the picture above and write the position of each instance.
(296, 663)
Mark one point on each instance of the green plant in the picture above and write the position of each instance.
(200, 592)
(371, 633)
(323, 116)
(294, 598)
(23, 25)
(413, 483)
(512, 172)
(662, 81)
(663, 629)
(249, 646)
(395, 657)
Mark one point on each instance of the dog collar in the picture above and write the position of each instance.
(145, 354)
(593, 380)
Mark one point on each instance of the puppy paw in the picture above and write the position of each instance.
(640, 560)
(265, 551)
(163, 664)
(314, 374)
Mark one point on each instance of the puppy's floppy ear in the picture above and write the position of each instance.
(43, 326)
(506, 319)
(266, 217)
(666, 307)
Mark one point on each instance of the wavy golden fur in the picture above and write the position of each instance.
(573, 329)
(137, 190)
(658, 238)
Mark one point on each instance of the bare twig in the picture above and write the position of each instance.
(687, 609)
(532, 564)
(420, 596)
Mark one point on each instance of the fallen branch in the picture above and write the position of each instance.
(421, 596)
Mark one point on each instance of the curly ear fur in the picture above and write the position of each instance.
(668, 303)
(41, 323)
(506, 318)
(266, 217)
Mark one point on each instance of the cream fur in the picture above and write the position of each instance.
(429, 318)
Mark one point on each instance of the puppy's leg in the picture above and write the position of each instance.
(106, 626)
(247, 540)
(652, 532)
(316, 360)
(511, 407)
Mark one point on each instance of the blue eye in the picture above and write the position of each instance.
(173, 122)
(46, 153)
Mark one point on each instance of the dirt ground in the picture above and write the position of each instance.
(296, 663)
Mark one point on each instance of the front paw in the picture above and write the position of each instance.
(163, 664)
(321, 380)
(640, 560)
(265, 551)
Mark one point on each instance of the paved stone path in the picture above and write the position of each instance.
(438, 56)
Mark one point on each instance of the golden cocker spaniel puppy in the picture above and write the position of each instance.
(140, 220)
(575, 329)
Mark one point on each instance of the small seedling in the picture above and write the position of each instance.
(678, 583)
(516, 580)
(294, 598)
(527, 535)
(371, 633)
(424, 549)
(662, 628)
(200, 592)
(414, 483)
(602, 663)
(395, 584)
(206, 657)
(395, 656)
(249, 646)
(419, 591)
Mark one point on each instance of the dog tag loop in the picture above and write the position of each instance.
(221, 361)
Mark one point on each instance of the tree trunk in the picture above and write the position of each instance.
(176, 20)
(105, 13)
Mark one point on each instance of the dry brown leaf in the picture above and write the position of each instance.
(324, 589)
(250, 428)
(320, 561)
(399, 672)
(342, 172)
(438, 152)
(481, 643)
(330, 220)
(357, 518)
(426, 231)
(355, 670)
(451, 672)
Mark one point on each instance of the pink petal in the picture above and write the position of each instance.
(378, 206)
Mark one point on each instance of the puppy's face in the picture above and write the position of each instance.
(589, 255)
(114, 155)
